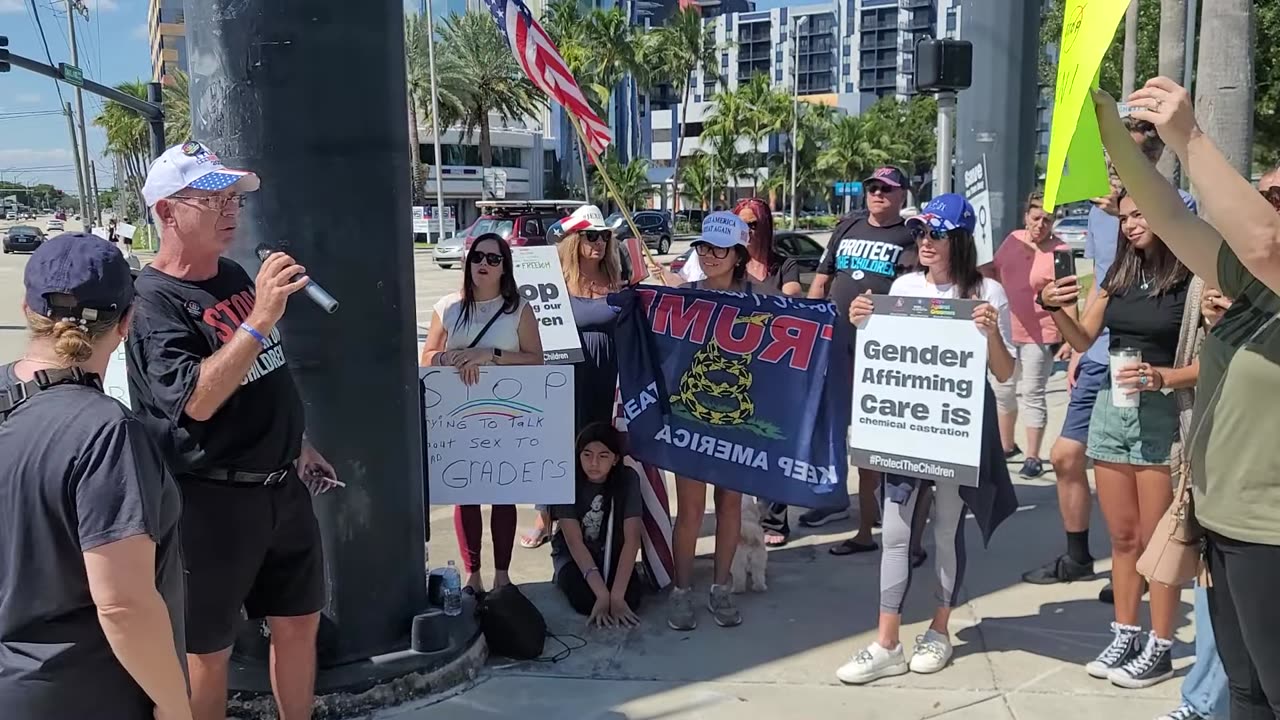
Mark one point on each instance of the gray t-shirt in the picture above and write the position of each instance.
(78, 473)
(593, 509)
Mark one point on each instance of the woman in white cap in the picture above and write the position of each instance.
(722, 254)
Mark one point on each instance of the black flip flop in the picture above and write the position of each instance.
(849, 547)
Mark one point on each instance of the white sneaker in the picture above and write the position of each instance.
(873, 663)
(932, 653)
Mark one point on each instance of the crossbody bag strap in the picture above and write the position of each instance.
(480, 336)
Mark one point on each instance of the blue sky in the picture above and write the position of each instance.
(113, 49)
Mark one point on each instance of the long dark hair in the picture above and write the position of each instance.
(760, 242)
(506, 284)
(1157, 262)
(964, 263)
(603, 433)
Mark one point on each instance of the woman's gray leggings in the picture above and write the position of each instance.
(948, 554)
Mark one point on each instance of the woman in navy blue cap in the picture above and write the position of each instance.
(91, 586)
(947, 267)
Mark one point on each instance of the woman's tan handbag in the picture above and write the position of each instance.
(1175, 552)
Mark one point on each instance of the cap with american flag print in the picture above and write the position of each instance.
(192, 165)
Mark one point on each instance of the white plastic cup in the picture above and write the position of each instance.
(1122, 358)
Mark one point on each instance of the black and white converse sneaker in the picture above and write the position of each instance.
(1153, 665)
(1125, 646)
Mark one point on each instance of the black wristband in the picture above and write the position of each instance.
(1051, 308)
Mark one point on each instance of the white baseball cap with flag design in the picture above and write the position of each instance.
(192, 165)
(586, 217)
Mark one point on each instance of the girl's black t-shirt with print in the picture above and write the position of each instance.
(176, 325)
(593, 509)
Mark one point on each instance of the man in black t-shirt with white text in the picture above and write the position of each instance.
(867, 252)
(208, 378)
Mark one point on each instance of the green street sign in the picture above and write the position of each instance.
(72, 74)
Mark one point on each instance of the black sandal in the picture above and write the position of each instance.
(849, 547)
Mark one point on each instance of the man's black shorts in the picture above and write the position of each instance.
(255, 547)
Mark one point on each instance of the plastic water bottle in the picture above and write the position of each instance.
(452, 595)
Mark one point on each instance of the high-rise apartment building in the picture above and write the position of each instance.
(167, 32)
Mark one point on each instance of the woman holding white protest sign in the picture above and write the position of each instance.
(1142, 301)
(948, 268)
(487, 323)
(722, 251)
(592, 268)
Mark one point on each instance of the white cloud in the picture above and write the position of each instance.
(28, 98)
(141, 32)
(103, 5)
(12, 6)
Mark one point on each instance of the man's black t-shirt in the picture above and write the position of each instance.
(78, 472)
(861, 257)
(176, 325)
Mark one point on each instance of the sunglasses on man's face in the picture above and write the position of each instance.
(477, 256)
(878, 188)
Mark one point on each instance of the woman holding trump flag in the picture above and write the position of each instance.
(947, 268)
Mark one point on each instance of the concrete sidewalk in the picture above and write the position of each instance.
(1019, 648)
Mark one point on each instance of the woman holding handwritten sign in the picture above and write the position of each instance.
(487, 323)
(948, 268)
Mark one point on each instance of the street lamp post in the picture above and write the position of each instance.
(795, 111)
(428, 11)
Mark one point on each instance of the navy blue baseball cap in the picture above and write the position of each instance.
(89, 269)
(947, 212)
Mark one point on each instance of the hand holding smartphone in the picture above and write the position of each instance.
(1064, 264)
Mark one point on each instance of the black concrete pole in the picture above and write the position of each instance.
(310, 94)
(997, 115)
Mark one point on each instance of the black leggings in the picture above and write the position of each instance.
(1246, 616)
(575, 587)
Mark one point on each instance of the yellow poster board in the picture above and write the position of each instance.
(1077, 167)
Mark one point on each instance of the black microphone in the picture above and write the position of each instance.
(317, 294)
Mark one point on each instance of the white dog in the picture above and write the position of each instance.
(752, 556)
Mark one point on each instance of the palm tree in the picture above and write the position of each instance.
(697, 179)
(684, 44)
(564, 23)
(177, 107)
(858, 144)
(419, 87)
(484, 78)
(631, 180)
(127, 136)
(765, 111)
(1225, 78)
(1172, 60)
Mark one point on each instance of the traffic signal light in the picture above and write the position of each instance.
(4, 53)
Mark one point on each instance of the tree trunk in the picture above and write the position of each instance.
(1225, 79)
(582, 163)
(1172, 63)
(1129, 71)
(416, 175)
(679, 145)
(486, 155)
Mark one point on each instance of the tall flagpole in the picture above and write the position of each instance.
(608, 182)
(435, 112)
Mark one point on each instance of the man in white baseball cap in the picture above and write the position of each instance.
(208, 378)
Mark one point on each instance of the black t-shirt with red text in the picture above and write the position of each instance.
(176, 325)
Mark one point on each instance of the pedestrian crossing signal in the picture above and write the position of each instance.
(4, 53)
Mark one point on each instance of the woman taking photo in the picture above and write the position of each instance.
(91, 584)
(597, 538)
(1142, 302)
(948, 268)
(1023, 266)
(487, 323)
(592, 268)
(722, 252)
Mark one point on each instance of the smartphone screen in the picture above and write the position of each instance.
(1064, 264)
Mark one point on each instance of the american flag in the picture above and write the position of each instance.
(541, 61)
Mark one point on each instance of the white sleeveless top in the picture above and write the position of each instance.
(504, 334)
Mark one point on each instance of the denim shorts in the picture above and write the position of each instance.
(1090, 377)
(1133, 436)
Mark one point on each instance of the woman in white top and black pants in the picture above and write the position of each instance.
(487, 323)
(947, 268)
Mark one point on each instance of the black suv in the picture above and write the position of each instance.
(654, 225)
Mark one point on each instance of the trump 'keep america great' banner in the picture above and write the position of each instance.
(743, 391)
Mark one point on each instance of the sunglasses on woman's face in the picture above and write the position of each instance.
(478, 256)
(920, 233)
(752, 224)
(596, 236)
(705, 249)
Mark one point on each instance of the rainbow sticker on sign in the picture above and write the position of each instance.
(492, 407)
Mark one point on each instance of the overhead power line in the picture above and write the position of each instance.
(35, 11)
